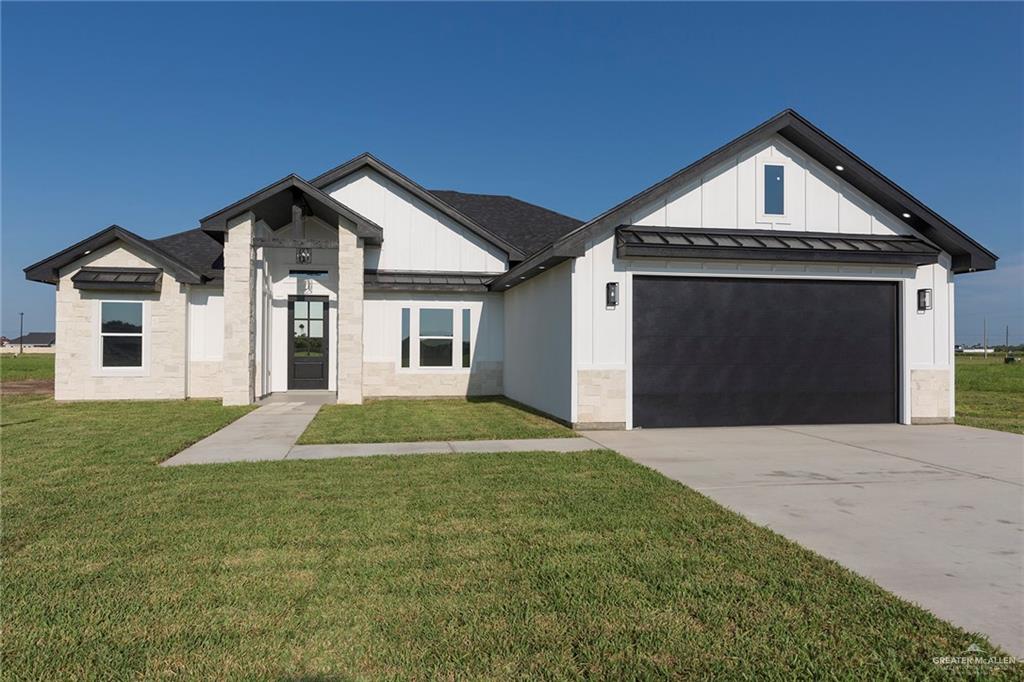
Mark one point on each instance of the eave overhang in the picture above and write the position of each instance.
(48, 269)
(666, 243)
(273, 204)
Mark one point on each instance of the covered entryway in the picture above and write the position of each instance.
(308, 342)
(713, 351)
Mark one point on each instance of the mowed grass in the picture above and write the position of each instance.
(401, 421)
(488, 566)
(26, 366)
(990, 393)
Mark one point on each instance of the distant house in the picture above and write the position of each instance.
(778, 280)
(35, 340)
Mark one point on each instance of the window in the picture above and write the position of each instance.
(121, 334)
(405, 337)
(308, 274)
(437, 337)
(774, 189)
(465, 337)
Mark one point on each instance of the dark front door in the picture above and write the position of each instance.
(308, 345)
(723, 352)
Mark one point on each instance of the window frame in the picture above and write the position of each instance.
(783, 218)
(138, 370)
(414, 308)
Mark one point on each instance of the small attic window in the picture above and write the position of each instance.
(774, 189)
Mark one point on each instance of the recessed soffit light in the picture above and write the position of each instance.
(906, 215)
(839, 168)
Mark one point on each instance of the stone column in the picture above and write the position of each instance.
(350, 317)
(239, 314)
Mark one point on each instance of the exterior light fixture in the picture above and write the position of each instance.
(839, 168)
(906, 215)
(541, 267)
(611, 294)
(924, 300)
(303, 256)
(522, 277)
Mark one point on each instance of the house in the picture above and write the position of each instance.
(778, 280)
(34, 340)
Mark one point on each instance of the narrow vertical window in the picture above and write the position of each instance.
(774, 189)
(465, 337)
(405, 337)
(121, 334)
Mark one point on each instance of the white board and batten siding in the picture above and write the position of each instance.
(417, 237)
(538, 342)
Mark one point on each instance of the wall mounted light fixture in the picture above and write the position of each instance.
(611, 294)
(924, 300)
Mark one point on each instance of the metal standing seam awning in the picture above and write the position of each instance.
(637, 241)
(394, 280)
(118, 279)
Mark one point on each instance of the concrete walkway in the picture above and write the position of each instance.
(270, 432)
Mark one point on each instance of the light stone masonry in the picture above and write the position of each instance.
(239, 313)
(601, 398)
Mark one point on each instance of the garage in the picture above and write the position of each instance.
(715, 351)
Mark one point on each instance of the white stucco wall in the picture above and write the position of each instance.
(416, 235)
(538, 342)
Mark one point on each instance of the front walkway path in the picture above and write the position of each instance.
(270, 431)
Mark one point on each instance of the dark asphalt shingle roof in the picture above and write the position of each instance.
(527, 226)
(197, 249)
(35, 339)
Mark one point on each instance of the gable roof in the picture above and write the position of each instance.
(197, 248)
(368, 160)
(48, 269)
(274, 203)
(528, 226)
(35, 339)
(968, 255)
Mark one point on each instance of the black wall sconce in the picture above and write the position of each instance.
(924, 300)
(611, 294)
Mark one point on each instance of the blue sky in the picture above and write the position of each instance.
(152, 115)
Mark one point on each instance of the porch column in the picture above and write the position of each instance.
(239, 357)
(350, 316)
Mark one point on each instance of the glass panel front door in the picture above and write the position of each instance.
(308, 342)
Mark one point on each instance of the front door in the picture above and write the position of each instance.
(307, 342)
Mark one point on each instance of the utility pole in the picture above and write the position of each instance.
(984, 336)
(21, 333)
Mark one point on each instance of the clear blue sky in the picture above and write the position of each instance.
(152, 115)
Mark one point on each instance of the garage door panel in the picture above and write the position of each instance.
(719, 351)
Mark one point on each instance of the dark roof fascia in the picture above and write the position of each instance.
(922, 253)
(48, 269)
(888, 194)
(371, 282)
(974, 258)
(367, 159)
(541, 261)
(365, 228)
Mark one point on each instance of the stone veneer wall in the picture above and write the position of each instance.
(239, 315)
(601, 398)
(205, 379)
(77, 373)
(930, 396)
(350, 318)
(383, 380)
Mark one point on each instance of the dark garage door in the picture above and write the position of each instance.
(725, 352)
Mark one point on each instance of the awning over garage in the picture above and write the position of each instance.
(637, 241)
(118, 279)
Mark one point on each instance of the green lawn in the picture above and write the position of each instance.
(491, 566)
(26, 366)
(989, 393)
(401, 421)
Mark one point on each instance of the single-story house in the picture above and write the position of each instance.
(34, 340)
(778, 280)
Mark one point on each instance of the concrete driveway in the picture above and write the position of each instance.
(934, 514)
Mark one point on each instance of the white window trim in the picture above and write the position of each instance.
(787, 178)
(98, 368)
(414, 338)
